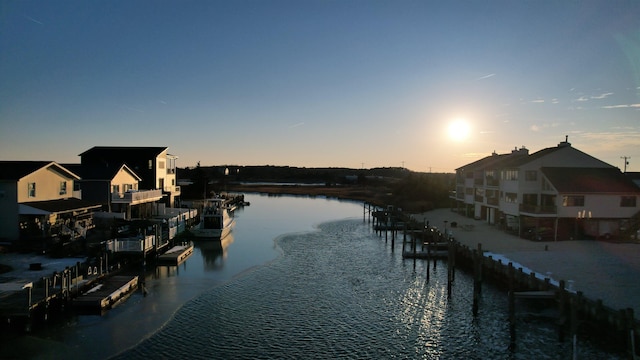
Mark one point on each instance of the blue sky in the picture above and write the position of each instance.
(320, 83)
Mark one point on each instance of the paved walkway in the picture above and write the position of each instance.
(601, 270)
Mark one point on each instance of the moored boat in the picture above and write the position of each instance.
(216, 221)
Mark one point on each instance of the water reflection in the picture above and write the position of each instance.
(213, 252)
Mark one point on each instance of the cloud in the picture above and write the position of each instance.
(296, 125)
(537, 128)
(538, 101)
(582, 98)
(621, 106)
(33, 20)
(602, 96)
(485, 77)
(611, 140)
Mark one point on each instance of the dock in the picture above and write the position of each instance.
(176, 255)
(107, 293)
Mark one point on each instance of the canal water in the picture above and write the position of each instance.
(305, 278)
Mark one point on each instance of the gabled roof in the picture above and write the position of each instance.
(16, 170)
(88, 172)
(485, 162)
(125, 151)
(589, 180)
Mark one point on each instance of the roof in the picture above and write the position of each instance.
(98, 172)
(589, 180)
(59, 206)
(125, 152)
(16, 170)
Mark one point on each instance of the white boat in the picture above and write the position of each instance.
(216, 220)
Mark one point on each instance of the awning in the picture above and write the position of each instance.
(56, 206)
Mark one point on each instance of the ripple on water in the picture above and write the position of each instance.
(341, 293)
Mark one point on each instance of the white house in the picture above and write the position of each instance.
(556, 193)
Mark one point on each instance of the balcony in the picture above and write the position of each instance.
(135, 197)
(538, 209)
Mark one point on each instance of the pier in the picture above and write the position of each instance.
(589, 284)
(176, 255)
(107, 293)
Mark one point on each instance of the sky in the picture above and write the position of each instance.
(320, 83)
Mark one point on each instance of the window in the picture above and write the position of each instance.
(511, 198)
(530, 175)
(573, 200)
(546, 186)
(115, 189)
(128, 187)
(32, 190)
(150, 164)
(63, 188)
(160, 164)
(510, 175)
(628, 201)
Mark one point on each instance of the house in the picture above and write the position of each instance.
(155, 167)
(557, 193)
(117, 189)
(39, 206)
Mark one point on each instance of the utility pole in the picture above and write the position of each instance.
(626, 162)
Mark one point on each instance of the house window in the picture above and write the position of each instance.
(530, 175)
(573, 200)
(150, 164)
(63, 188)
(546, 186)
(115, 189)
(510, 175)
(628, 201)
(511, 198)
(128, 187)
(32, 190)
(160, 164)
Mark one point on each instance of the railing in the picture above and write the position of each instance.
(136, 196)
(131, 244)
(538, 209)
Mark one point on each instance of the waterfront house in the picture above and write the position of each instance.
(556, 193)
(39, 205)
(155, 167)
(117, 189)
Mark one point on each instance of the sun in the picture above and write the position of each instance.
(459, 130)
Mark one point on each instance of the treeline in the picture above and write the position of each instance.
(401, 187)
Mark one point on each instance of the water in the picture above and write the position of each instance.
(334, 291)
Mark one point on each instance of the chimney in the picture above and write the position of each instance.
(565, 142)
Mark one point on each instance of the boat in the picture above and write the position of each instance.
(216, 220)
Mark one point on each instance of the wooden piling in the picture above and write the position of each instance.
(562, 310)
(477, 279)
(512, 320)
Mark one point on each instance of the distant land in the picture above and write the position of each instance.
(413, 191)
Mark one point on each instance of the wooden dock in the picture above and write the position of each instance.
(107, 293)
(438, 250)
(176, 255)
